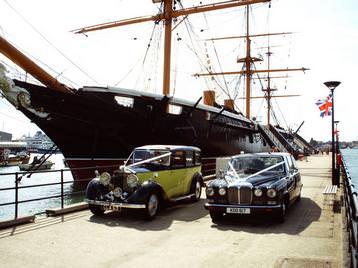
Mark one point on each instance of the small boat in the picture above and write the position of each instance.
(15, 160)
(37, 165)
(13, 154)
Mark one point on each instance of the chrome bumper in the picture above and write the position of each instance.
(114, 206)
(223, 206)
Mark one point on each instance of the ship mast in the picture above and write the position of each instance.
(268, 90)
(248, 72)
(168, 11)
(248, 65)
(167, 16)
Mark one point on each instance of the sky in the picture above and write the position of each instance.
(325, 40)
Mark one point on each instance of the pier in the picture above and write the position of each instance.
(313, 235)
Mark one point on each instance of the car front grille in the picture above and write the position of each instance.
(120, 180)
(240, 195)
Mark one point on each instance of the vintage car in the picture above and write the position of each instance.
(152, 176)
(262, 183)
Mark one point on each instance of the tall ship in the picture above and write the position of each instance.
(99, 126)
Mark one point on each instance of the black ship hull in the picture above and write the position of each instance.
(101, 126)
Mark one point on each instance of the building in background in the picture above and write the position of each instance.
(4, 136)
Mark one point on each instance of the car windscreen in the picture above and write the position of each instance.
(140, 155)
(253, 164)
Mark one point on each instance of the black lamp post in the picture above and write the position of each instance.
(332, 85)
(338, 169)
(336, 130)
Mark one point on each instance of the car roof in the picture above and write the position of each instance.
(168, 147)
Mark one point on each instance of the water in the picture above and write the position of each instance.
(350, 157)
(7, 181)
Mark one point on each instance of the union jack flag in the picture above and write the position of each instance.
(325, 106)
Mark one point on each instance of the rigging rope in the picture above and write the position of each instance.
(217, 58)
(51, 44)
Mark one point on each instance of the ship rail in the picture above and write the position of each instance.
(351, 213)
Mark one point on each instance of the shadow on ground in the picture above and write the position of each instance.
(299, 216)
(183, 211)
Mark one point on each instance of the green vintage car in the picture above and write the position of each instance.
(152, 176)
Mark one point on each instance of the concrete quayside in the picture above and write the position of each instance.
(313, 235)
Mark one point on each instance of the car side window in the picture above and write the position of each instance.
(197, 158)
(178, 159)
(290, 164)
(294, 164)
(189, 158)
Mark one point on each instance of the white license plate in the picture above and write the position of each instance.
(238, 210)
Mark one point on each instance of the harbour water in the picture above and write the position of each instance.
(350, 157)
(31, 208)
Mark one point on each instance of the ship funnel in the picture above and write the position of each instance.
(229, 104)
(209, 97)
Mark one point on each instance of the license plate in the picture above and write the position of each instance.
(111, 207)
(238, 210)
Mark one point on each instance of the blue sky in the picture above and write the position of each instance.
(326, 41)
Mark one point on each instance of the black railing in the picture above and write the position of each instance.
(57, 178)
(351, 207)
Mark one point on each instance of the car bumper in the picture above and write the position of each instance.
(241, 209)
(114, 206)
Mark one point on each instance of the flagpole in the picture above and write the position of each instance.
(332, 85)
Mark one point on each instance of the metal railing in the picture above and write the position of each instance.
(58, 176)
(351, 213)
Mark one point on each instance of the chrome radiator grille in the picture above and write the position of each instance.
(242, 195)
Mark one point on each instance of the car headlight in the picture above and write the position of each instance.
(271, 193)
(105, 178)
(209, 191)
(132, 180)
(258, 192)
(222, 191)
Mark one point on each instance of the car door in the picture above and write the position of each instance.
(177, 173)
(189, 171)
(291, 185)
(297, 177)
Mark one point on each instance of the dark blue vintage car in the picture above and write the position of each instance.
(263, 183)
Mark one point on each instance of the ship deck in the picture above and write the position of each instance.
(313, 235)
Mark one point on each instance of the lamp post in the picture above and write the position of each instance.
(332, 85)
(338, 159)
(336, 132)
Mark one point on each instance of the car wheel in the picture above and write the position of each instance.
(215, 216)
(152, 206)
(195, 190)
(282, 212)
(96, 210)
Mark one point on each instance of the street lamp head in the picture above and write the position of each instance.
(336, 122)
(332, 84)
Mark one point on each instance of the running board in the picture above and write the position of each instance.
(187, 197)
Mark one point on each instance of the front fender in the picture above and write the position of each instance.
(142, 193)
(199, 177)
(95, 189)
